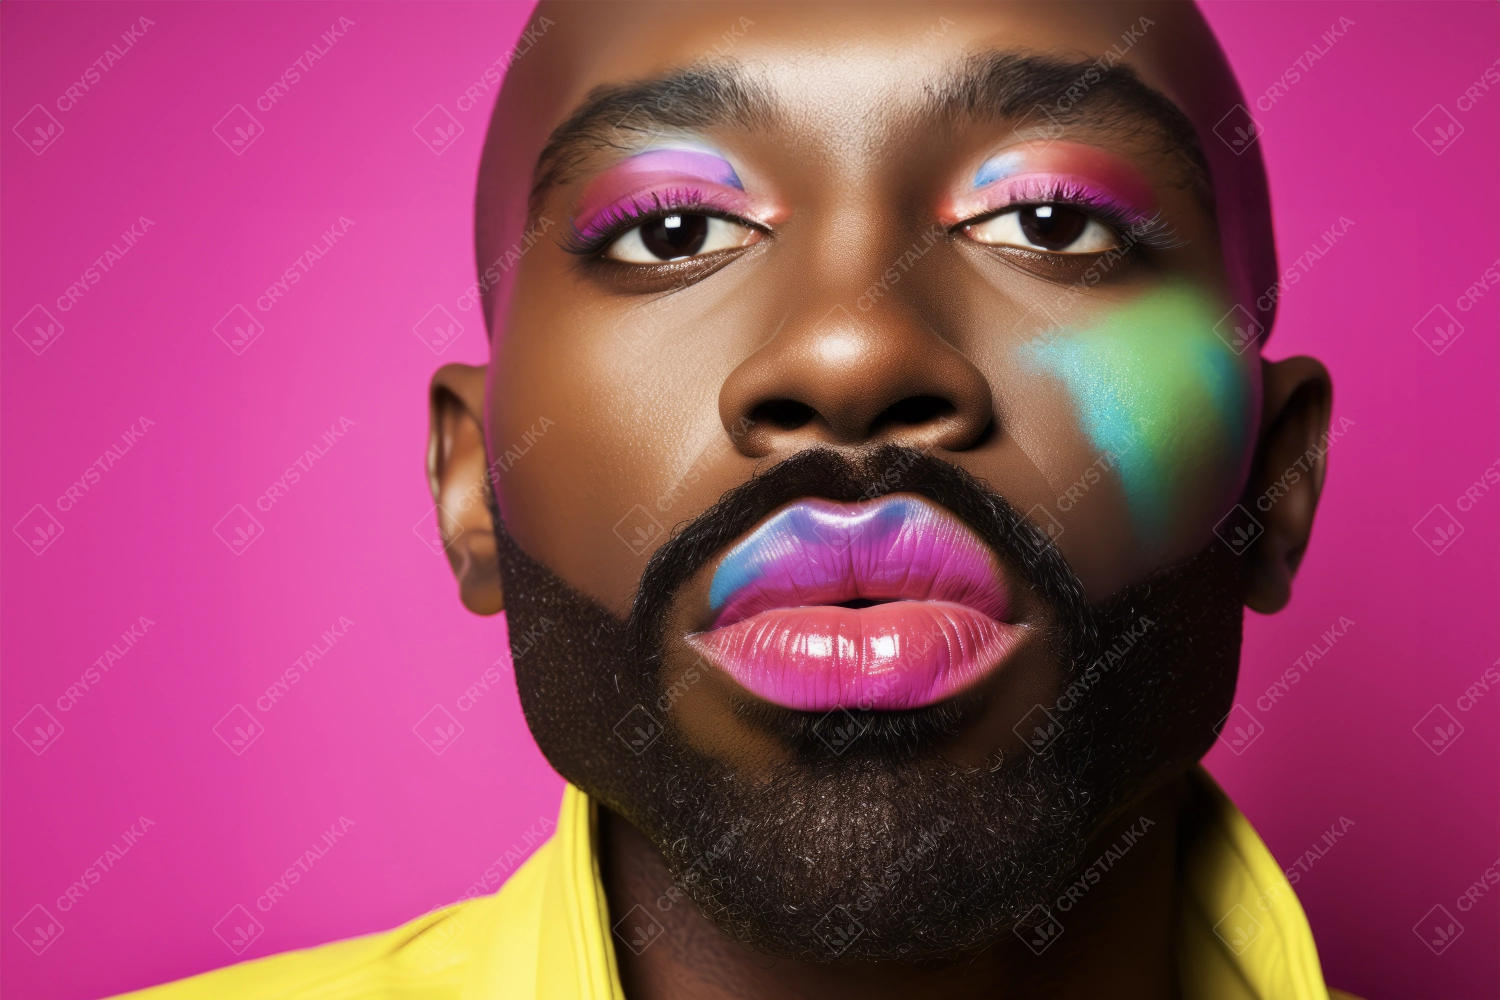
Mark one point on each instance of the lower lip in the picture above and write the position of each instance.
(887, 657)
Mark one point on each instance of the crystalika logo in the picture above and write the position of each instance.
(38, 329)
(38, 130)
(38, 929)
(239, 129)
(38, 729)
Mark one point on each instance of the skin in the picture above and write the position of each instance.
(672, 421)
(1132, 377)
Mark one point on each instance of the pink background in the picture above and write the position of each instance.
(340, 542)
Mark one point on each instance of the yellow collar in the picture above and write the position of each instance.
(1241, 932)
(546, 934)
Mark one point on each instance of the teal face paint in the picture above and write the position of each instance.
(1156, 388)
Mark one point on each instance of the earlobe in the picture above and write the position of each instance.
(458, 476)
(1287, 479)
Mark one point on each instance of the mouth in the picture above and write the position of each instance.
(889, 605)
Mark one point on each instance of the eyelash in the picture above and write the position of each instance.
(1152, 231)
(610, 224)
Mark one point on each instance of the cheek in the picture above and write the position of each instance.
(1159, 393)
(633, 444)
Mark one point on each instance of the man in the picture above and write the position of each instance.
(880, 574)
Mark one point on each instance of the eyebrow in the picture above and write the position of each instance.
(622, 116)
(1055, 94)
(999, 86)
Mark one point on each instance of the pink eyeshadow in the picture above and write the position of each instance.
(1065, 171)
(659, 177)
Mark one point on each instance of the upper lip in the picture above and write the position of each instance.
(819, 552)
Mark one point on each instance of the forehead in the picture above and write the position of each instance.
(837, 67)
(845, 78)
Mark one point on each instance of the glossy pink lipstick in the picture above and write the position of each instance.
(888, 605)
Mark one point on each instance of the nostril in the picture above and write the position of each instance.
(913, 411)
(786, 414)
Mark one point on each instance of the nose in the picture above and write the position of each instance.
(849, 377)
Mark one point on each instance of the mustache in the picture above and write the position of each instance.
(1027, 551)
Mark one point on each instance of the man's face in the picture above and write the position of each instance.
(964, 354)
(862, 310)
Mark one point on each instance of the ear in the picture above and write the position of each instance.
(1287, 478)
(458, 475)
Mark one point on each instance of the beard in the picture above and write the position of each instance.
(865, 844)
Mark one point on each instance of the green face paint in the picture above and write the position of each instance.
(1156, 388)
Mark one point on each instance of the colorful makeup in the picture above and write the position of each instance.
(927, 620)
(1157, 389)
(1065, 172)
(662, 179)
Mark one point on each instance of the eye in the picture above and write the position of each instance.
(677, 237)
(1051, 228)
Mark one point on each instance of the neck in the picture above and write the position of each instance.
(1117, 916)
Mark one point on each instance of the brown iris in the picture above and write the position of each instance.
(675, 236)
(1053, 227)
